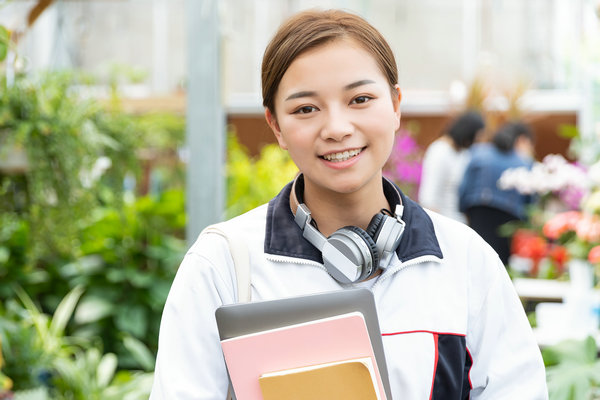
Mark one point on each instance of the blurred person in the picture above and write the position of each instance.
(443, 165)
(486, 206)
(452, 325)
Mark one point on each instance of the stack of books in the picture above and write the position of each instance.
(328, 358)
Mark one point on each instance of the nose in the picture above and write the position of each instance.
(337, 125)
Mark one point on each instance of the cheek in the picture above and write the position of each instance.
(384, 126)
(298, 142)
(387, 145)
(385, 122)
(297, 133)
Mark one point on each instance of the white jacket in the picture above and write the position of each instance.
(452, 324)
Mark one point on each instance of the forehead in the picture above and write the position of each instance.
(335, 61)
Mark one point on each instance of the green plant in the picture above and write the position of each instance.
(64, 219)
(5, 382)
(573, 370)
(252, 182)
(32, 340)
(45, 363)
(62, 136)
(128, 261)
(93, 375)
(4, 42)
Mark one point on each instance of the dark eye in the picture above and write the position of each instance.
(305, 110)
(361, 99)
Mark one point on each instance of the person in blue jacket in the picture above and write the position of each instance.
(486, 206)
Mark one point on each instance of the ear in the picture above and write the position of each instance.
(272, 121)
(396, 101)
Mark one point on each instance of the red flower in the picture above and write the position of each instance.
(530, 245)
(560, 255)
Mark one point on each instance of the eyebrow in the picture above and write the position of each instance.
(309, 93)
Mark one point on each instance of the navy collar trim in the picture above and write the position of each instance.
(283, 236)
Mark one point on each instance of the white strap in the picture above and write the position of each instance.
(241, 262)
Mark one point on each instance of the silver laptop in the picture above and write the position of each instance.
(240, 319)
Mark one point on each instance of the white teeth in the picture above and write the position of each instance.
(341, 156)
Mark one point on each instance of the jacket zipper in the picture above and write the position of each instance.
(395, 270)
(295, 260)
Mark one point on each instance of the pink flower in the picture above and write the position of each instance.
(561, 223)
(594, 255)
(588, 228)
(405, 144)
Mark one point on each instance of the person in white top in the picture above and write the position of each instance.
(444, 164)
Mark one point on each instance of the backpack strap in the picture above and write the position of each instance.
(241, 262)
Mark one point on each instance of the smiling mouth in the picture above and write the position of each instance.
(342, 156)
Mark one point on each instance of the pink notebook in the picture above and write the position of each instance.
(321, 341)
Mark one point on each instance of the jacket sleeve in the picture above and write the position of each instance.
(190, 363)
(506, 359)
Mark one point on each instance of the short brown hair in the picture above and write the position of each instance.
(309, 29)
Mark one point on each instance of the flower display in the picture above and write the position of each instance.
(565, 221)
(553, 177)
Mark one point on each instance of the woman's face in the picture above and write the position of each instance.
(336, 117)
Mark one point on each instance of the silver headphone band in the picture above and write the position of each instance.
(339, 265)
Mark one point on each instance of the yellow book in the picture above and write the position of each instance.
(343, 380)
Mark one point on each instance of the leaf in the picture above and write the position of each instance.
(92, 309)
(571, 352)
(85, 265)
(64, 311)
(106, 369)
(568, 131)
(132, 319)
(140, 352)
(4, 254)
(570, 381)
(4, 41)
(4, 35)
(572, 369)
(39, 393)
(26, 300)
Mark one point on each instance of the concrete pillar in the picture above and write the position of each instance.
(205, 131)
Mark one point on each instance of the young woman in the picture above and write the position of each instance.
(452, 325)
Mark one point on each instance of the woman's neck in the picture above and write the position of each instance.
(332, 210)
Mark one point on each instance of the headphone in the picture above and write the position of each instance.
(352, 254)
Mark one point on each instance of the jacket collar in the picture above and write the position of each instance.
(284, 237)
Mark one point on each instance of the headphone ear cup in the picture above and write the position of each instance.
(370, 244)
(375, 225)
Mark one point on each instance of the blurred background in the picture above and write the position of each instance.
(127, 126)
